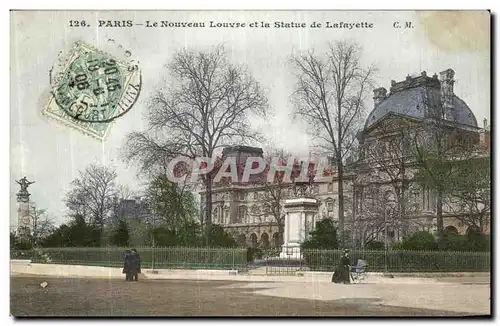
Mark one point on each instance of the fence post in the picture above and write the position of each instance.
(153, 257)
(385, 258)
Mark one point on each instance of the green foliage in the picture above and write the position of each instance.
(478, 242)
(397, 246)
(324, 236)
(75, 234)
(220, 238)
(474, 242)
(17, 243)
(402, 260)
(433, 170)
(420, 240)
(170, 202)
(139, 233)
(254, 253)
(190, 234)
(173, 257)
(452, 242)
(375, 245)
(164, 237)
(120, 237)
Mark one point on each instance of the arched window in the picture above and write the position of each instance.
(472, 229)
(241, 240)
(451, 230)
(253, 240)
(264, 240)
(277, 242)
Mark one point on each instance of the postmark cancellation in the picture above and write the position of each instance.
(91, 88)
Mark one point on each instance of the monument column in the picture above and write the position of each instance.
(23, 209)
(299, 220)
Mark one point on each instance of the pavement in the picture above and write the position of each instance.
(456, 297)
(466, 294)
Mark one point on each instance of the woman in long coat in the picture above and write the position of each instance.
(136, 264)
(342, 271)
(127, 265)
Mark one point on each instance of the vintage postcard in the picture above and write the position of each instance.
(250, 163)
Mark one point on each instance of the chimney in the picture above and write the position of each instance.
(485, 123)
(379, 95)
(447, 81)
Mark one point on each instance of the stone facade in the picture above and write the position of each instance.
(386, 164)
(368, 193)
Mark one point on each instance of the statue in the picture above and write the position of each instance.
(302, 188)
(24, 183)
(23, 194)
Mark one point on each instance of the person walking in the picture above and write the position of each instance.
(127, 265)
(136, 264)
(342, 272)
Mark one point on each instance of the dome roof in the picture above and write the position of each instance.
(413, 96)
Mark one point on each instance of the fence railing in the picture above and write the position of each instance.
(403, 260)
(151, 258)
(399, 261)
(236, 258)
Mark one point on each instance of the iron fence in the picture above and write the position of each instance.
(236, 258)
(395, 261)
(151, 258)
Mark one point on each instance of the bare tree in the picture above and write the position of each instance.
(92, 195)
(375, 211)
(329, 95)
(41, 224)
(468, 191)
(271, 195)
(439, 146)
(389, 151)
(206, 107)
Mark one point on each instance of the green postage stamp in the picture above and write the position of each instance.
(91, 88)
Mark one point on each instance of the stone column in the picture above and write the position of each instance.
(299, 217)
(23, 216)
(23, 209)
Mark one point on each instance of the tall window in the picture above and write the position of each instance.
(215, 215)
(330, 187)
(427, 199)
(242, 213)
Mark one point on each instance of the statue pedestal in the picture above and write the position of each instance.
(23, 219)
(300, 215)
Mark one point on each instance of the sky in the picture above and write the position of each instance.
(51, 153)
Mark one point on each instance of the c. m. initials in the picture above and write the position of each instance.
(402, 25)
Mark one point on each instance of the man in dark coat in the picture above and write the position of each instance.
(342, 272)
(127, 265)
(136, 264)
